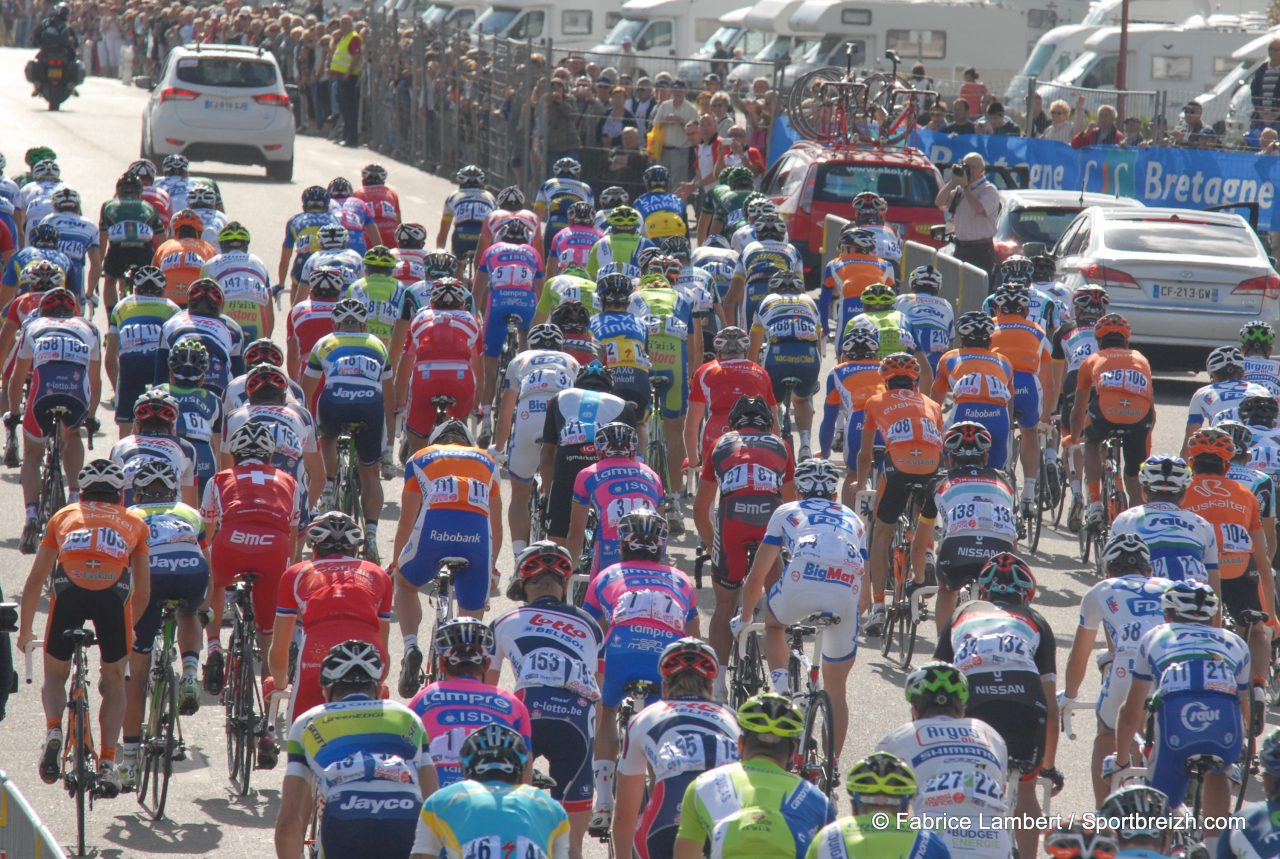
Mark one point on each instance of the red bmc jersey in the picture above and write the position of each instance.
(252, 494)
(442, 336)
(309, 321)
(720, 384)
(749, 463)
(386, 210)
(336, 591)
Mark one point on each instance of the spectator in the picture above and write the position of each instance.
(937, 119)
(973, 90)
(722, 110)
(560, 123)
(1264, 86)
(760, 109)
(1133, 135)
(919, 80)
(962, 124)
(609, 129)
(1103, 131)
(1060, 127)
(708, 152)
(998, 123)
(738, 152)
(628, 64)
(673, 115)
(973, 204)
(345, 69)
(1039, 120)
(721, 53)
(711, 83)
(1191, 130)
(642, 105)
(626, 165)
(1267, 118)
(1269, 141)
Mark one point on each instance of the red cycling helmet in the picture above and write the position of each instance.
(689, 654)
(265, 376)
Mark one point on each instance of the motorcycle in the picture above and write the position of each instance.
(55, 78)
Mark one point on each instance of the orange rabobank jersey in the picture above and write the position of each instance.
(911, 425)
(849, 274)
(454, 477)
(1021, 342)
(252, 494)
(851, 383)
(974, 375)
(1121, 382)
(1232, 509)
(94, 542)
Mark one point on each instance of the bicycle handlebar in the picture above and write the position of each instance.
(28, 655)
(1064, 715)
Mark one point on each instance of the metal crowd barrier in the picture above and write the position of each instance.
(21, 832)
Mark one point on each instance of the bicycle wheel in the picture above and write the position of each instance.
(349, 488)
(1063, 492)
(80, 771)
(246, 719)
(748, 671)
(657, 458)
(1099, 537)
(906, 634)
(148, 768)
(231, 698)
(536, 529)
(1084, 539)
(1036, 523)
(890, 627)
(817, 749)
(158, 746)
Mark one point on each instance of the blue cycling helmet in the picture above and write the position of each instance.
(1269, 754)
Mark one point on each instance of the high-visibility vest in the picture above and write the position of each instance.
(342, 56)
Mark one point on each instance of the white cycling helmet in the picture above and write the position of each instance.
(1164, 473)
(253, 440)
(1190, 600)
(1225, 358)
(817, 477)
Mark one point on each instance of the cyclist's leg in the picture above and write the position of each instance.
(1136, 447)
(1096, 429)
(471, 586)
(113, 626)
(329, 419)
(419, 562)
(522, 464)
(729, 568)
(1018, 716)
(1026, 402)
(369, 441)
(565, 741)
(675, 404)
(37, 427)
(893, 497)
(852, 444)
(959, 561)
(1115, 688)
(72, 443)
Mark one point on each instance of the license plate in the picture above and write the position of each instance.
(1190, 293)
(225, 104)
(55, 74)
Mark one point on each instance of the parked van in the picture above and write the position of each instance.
(449, 16)
(675, 28)
(575, 23)
(734, 35)
(1217, 104)
(772, 19)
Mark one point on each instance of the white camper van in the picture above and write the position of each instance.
(450, 16)
(575, 23)
(669, 28)
(734, 34)
(772, 19)
(1217, 104)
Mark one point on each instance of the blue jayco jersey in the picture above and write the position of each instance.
(76, 237)
(1259, 838)
(1128, 607)
(1192, 657)
(1183, 545)
(931, 321)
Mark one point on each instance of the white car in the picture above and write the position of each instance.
(220, 103)
(1181, 277)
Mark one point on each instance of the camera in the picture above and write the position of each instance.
(959, 171)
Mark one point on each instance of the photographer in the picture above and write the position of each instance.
(973, 206)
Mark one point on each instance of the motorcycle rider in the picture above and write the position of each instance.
(55, 38)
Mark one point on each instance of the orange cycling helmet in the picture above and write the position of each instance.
(1110, 325)
(899, 364)
(1211, 440)
(186, 219)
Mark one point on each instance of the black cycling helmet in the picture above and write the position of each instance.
(373, 174)
(315, 198)
(494, 749)
(464, 641)
(581, 214)
(751, 412)
(340, 188)
(657, 178)
(469, 176)
(1258, 411)
(411, 236)
(677, 246)
(546, 336)
(188, 360)
(439, 264)
(786, 282)
(642, 532)
(45, 237)
(1043, 267)
(975, 328)
(614, 289)
(571, 317)
(595, 376)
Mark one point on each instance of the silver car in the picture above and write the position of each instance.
(1181, 277)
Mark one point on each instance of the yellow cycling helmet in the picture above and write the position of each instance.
(772, 715)
(232, 233)
(877, 296)
(881, 774)
(623, 219)
(379, 256)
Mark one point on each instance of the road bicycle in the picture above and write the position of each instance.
(815, 756)
(909, 608)
(656, 453)
(161, 743)
(510, 349)
(1017, 771)
(789, 386)
(581, 579)
(1093, 536)
(347, 476)
(746, 670)
(247, 726)
(442, 596)
(53, 488)
(636, 694)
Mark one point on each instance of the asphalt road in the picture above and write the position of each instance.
(96, 136)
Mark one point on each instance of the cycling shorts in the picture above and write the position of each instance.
(295, 270)
(524, 453)
(188, 588)
(564, 730)
(457, 381)
(961, 558)
(74, 606)
(504, 303)
(334, 410)
(465, 238)
(631, 653)
(257, 549)
(793, 598)
(793, 359)
(1241, 594)
(660, 820)
(895, 492)
(853, 437)
(675, 397)
(1115, 688)
(1135, 439)
(38, 421)
(450, 533)
(996, 420)
(632, 385)
(207, 466)
(352, 833)
(312, 651)
(560, 492)
(741, 521)
(137, 372)
(1180, 731)
(755, 292)
(1012, 702)
(1027, 396)
(118, 260)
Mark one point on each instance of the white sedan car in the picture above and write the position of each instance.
(1181, 277)
(220, 103)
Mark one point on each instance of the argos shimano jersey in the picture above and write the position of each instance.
(1216, 401)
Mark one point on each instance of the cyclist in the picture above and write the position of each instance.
(384, 296)
(61, 354)
(203, 200)
(78, 238)
(717, 385)
(409, 246)
(533, 377)
(720, 802)
(1220, 399)
(133, 339)
(1006, 650)
(155, 416)
(37, 278)
(663, 212)
(769, 254)
(1072, 344)
(199, 411)
(152, 192)
(301, 237)
(1024, 345)
(382, 200)
(311, 319)
(357, 752)
(461, 702)
(492, 808)
(204, 320)
(1127, 605)
(688, 719)
(555, 650)
(263, 351)
(611, 488)
(1140, 815)
(252, 511)
(336, 597)
(786, 326)
(930, 318)
(418, 278)
(825, 547)
(959, 785)
(438, 360)
(1246, 581)
(331, 250)
(976, 504)
(1182, 544)
(1257, 338)
(179, 563)
(607, 200)
(1261, 484)
(1258, 835)
(572, 245)
(619, 248)
(510, 207)
(642, 604)
(44, 245)
(127, 227)
(721, 212)
(846, 276)
(352, 373)
(879, 781)
(451, 507)
(557, 195)
(869, 210)
(1259, 415)
(1187, 665)
(182, 257)
(718, 261)
(35, 198)
(911, 426)
(1043, 308)
(94, 556)
(574, 321)
(508, 282)
(465, 210)
(756, 204)
(623, 337)
(569, 283)
(354, 214)
(1114, 393)
(878, 312)
(246, 285)
(979, 382)
(853, 380)
(175, 180)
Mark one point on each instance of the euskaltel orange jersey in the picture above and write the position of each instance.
(94, 541)
(911, 425)
(1121, 382)
(1232, 509)
(181, 261)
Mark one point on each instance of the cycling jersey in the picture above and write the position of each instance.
(719, 264)
(931, 321)
(179, 570)
(911, 426)
(515, 276)
(792, 343)
(960, 766)
(355, 367)
(77, 236)
(1258, 838)
(976, 504)
(662, 214)
(668, 315)
(644, 606)
(134, 451)
(724, 204)
(1127, 607)
(443, 345)
(755, 783)
(291, 427)
(410, 268)
(743, 236)
(1183, 545)
(749, 468)
(467, 208)
(1263, 371)
(354, 214)
(35, 201)
(573, 416)
(1118, 383)
(572, 245)
(759, 261)
(176, 187)
(825, 544)
(980, 382)
(844, 278)
(890, 324)
(213, 220)
(553, 200)
(614, 487)
(616, 253)
(851, 837)
(220, 335)
(623, 337)
(475, 819)
(1233, 512)
(385, 298)
(568, 287)
(199, 417)
(1261, 484)
(23, 258)
(308, 321)
(1216, 401)
(237, 394)
(246, 288)
(498, 218)
(385, 205)
(1044, 310)
(535, 375)
(888, 243)
(849, 385)
(136, 323)
(63, 354)
(347, 261)
(453, 709)
(1024, 345)
(1073, 344)
(720, 383)
(181, 260)
(676, 739)
(363, 758)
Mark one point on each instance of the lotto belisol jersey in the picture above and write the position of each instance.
(549, 644)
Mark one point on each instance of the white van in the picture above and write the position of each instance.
(1217, 104)
(449, 16)
(772, 19)
(673, 28)
(734, 35)
(572, 24)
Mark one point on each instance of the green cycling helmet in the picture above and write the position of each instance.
(737, 177)
(938, 683)
(379, 256)
(771, 715)
(232, 233)
(878, 296)
(623, 219)
(1257, 333)
(881, 774)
